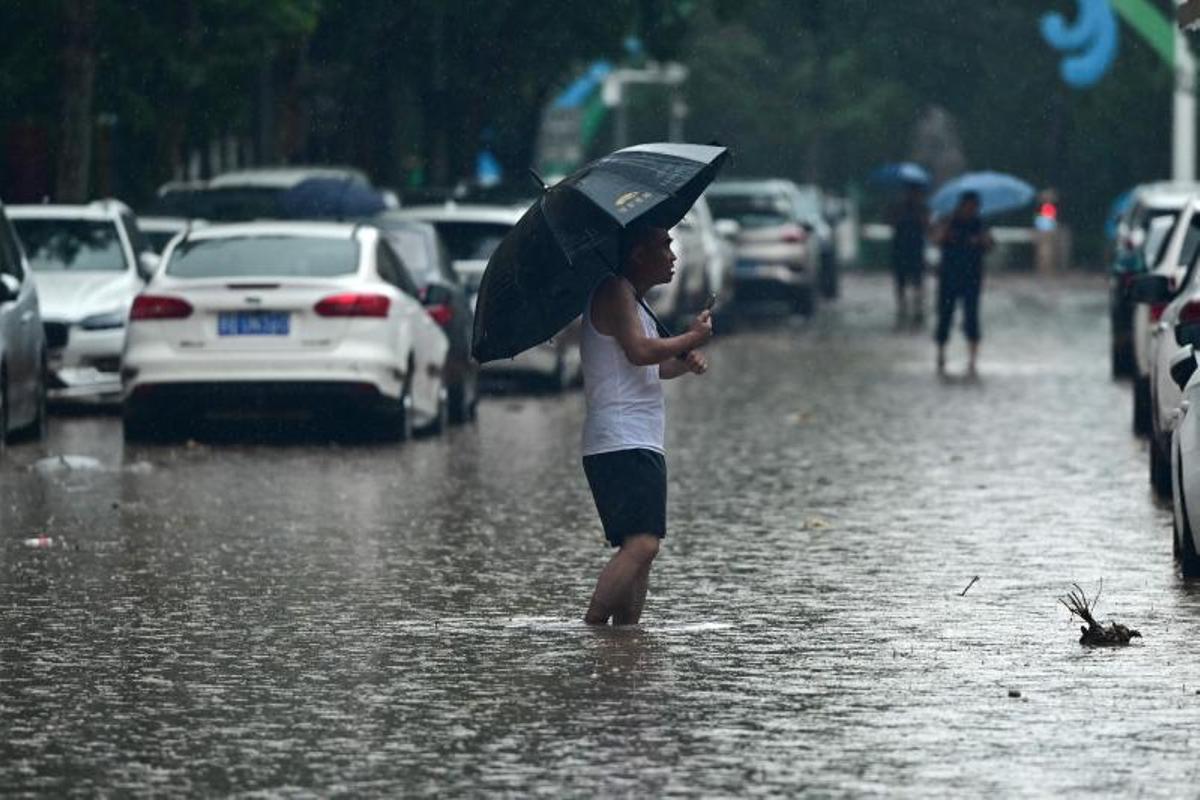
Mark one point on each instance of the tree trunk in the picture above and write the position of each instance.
(79, 73)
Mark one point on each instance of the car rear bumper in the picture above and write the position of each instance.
(201, 398)
(157, 364)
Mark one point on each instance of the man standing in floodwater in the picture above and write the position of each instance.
(964, 239)
(910, 220)
(624, 364)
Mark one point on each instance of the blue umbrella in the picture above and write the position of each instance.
(997, 193)
(899, 174)
(330, 198)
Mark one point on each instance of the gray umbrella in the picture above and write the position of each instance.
(541, 274)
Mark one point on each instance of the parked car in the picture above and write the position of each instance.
(1141, 233)
(426, 258)
(88, 261)
(703, 266)
(22, 343)
(283, 316)
(777, 258)
(470, 233)
(258, 193)
(1185, 459)
(159, 231)
(1172, 264)
(811, 208)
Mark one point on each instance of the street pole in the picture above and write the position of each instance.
(1183, 130)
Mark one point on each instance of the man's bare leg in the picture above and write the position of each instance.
(620, 580)
(633, 615)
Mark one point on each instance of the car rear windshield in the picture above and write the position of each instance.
(751, 210)
(264, 256)
(75, 245)
(470, 241)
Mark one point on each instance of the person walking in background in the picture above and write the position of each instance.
(624, 364)
(910, 221)
(963, 239)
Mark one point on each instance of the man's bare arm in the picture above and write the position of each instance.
(615, 314)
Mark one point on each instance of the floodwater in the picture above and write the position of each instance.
(305, 619)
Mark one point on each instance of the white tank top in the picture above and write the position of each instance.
(625, 408)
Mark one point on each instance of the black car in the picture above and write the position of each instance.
(446, 300)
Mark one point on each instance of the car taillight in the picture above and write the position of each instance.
(151, 306)
(794, 233)
(1190, 313)
(353, 304)
(1156, 311)
(442, 314)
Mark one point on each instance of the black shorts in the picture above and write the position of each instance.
(630, 490)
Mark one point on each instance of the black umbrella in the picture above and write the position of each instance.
(542, 272)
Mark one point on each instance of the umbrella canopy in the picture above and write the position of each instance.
(541, 274)
(997, 191)
(902, 173)
(330, 198)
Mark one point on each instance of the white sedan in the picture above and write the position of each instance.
(283, 316)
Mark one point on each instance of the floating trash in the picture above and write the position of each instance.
(67, 463)
(1094, 634)
(40, 542)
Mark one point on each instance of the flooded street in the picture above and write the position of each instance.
(311, 619)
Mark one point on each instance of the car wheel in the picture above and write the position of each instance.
(36, 430)
(398, 421)
(464, 395)
(560, 378)
(805, 302)
(1160, 469)
(1141, 406)
(1122, 364)
(1184, 540)
(441, 422)
(3, 411)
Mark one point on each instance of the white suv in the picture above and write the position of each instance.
(88, 261)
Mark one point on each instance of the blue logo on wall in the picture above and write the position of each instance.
(1091, 42)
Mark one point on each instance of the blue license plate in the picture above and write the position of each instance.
(253, 323)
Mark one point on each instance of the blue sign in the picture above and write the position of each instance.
(1090, 42)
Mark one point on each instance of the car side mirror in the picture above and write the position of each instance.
(1183, 366)
(1187, 333)
(10, 288)
(1151, 289)
(436, 295)
(727, 228)
(148, 264)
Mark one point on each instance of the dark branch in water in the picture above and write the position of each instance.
(1094, 633)
(963, 593)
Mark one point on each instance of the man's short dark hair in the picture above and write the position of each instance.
(968, 196)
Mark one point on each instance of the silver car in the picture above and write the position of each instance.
(777, 255)
(22, 344)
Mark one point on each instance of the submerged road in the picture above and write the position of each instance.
(309, 619)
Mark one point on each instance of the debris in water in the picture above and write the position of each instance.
(40, 541)
(67, 463)
(815, 524)
(1095, 634)
(1014, 692)
(963, 593)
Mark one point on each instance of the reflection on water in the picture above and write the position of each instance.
(371, 619)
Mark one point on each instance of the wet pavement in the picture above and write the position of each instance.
(308, 619)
